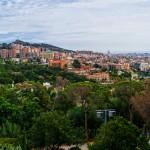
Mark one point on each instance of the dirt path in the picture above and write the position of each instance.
(83, 147)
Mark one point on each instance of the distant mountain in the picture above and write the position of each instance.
(42, 45)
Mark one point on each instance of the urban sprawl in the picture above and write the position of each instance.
(104, 68)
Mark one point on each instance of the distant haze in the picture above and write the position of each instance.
(100, 25)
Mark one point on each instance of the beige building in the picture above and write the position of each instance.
(101, 76)
(47, 55)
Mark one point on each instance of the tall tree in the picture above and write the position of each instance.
(141, 103)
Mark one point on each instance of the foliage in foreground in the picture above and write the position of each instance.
(29, 108)
(52, 130)
(9, 147)
(119, 134)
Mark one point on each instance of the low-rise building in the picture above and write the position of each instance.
(58, 63)
(101, 76)
(145, 67)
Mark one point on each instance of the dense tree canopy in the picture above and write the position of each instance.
(35, 116)
(119, 134)
(51, 130)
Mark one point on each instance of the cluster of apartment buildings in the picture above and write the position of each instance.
(108, 63)
(104, 62)
(19, 52)
(95, 66)
(56, 59)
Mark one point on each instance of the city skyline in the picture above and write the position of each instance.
(115, 25)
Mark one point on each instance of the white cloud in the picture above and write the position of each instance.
(75, 24)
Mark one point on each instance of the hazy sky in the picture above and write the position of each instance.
(115, 25)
